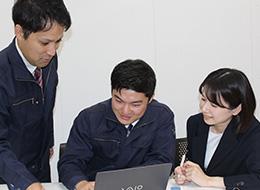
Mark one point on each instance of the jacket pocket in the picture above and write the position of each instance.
(106, 148)
(26, 110)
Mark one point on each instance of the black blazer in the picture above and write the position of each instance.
(237, 157)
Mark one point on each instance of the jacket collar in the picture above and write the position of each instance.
(21, 73)
(199, 143)
(147, 118)
(19, 68)
(226, 144)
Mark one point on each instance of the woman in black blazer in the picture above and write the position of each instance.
(224, 139)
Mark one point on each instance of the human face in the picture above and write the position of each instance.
(216, 116)
(128, 105)
(40, 47)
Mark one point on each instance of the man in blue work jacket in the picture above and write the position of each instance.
(130, 129)
(28, 80)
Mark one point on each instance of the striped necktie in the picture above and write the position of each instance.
(38, 76)
(129, 129)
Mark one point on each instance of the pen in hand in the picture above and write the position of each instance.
(182, 160)
(178, 176)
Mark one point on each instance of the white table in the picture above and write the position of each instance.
(171, 183)
(190, 186)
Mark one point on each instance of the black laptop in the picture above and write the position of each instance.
(151, 177)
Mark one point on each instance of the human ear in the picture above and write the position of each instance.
(237, 110)
(18, 31)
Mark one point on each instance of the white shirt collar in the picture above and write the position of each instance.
(134, 123)
(29, 66)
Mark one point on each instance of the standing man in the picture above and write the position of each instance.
(28, 80)
(130, 129)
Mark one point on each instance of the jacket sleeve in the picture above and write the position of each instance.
(251, 180)
(51, 133)
(13, 172)
(164, 143)
(77, 153)
(54, 67)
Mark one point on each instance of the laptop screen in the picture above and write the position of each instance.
(151, 177)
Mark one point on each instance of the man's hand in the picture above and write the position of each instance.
(35, 186)
(85, 185)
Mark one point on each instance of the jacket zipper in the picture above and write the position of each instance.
(23, 101)
(104, 140)
(37, 85)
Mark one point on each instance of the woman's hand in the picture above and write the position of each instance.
(194, 173)
(179, 175)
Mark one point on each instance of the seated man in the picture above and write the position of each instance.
(128, 130)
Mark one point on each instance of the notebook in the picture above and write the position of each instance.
(151, 177)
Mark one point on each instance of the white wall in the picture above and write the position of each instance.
(182, 40)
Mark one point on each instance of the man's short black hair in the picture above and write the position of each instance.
(135, 75)
(35, 15)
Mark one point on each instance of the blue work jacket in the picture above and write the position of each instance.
(26, 120)
(99, 142)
